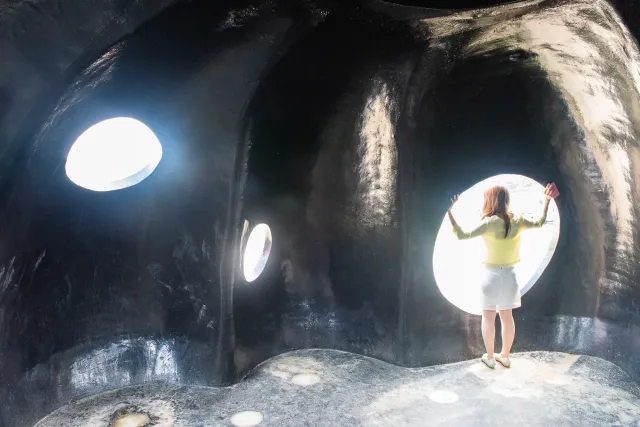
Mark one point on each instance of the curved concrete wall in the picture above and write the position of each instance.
(346, 128)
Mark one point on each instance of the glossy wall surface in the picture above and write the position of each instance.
(346, 128)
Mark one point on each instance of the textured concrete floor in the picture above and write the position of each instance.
(331, 388)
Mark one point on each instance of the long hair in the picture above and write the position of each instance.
(496, 202)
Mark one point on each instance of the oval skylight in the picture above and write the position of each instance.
(256, 252)
(113, 154)
(457, 263)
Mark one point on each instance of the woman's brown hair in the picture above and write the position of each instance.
(496, 202)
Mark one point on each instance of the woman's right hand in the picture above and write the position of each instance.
(548, 192)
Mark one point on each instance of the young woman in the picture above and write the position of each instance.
(500, 231)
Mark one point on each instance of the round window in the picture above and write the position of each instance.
(113, 154)
(256, 252)
(457, 264)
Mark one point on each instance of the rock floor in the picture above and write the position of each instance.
(332, 388)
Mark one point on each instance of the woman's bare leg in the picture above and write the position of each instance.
(489, 331)
(508, 331)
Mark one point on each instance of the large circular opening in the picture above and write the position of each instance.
(457, 264)
(113, 154)
(256, 252)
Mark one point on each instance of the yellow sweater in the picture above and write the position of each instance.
(500, 251)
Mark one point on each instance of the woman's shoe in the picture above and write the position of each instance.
(489, 362)
(504, 361)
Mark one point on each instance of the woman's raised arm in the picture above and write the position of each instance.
(459, 232)
(548, 191)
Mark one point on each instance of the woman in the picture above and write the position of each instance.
(501, 234)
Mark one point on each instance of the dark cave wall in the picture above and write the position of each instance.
(307, 170)
(104, 290)
(346, 131)
(448, 113)
(44, 44)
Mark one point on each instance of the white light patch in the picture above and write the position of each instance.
(444, 396)
(247, 419)
(113, 154)
(305, 380)
(378, 157)
(257, 252)
(132, 420)
(457, 264)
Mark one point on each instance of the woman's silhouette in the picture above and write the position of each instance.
(500, 231)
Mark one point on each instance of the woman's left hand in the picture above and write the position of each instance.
(454, 199)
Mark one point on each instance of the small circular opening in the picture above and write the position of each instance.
(113, 154)
(256, 252)
(457, 264)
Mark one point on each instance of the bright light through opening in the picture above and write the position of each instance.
(256, 252)
(113, 154)
(457, 264)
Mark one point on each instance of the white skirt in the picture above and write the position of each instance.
(499, 288)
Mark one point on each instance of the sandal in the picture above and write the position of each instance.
(504, 361)
(489, 362)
